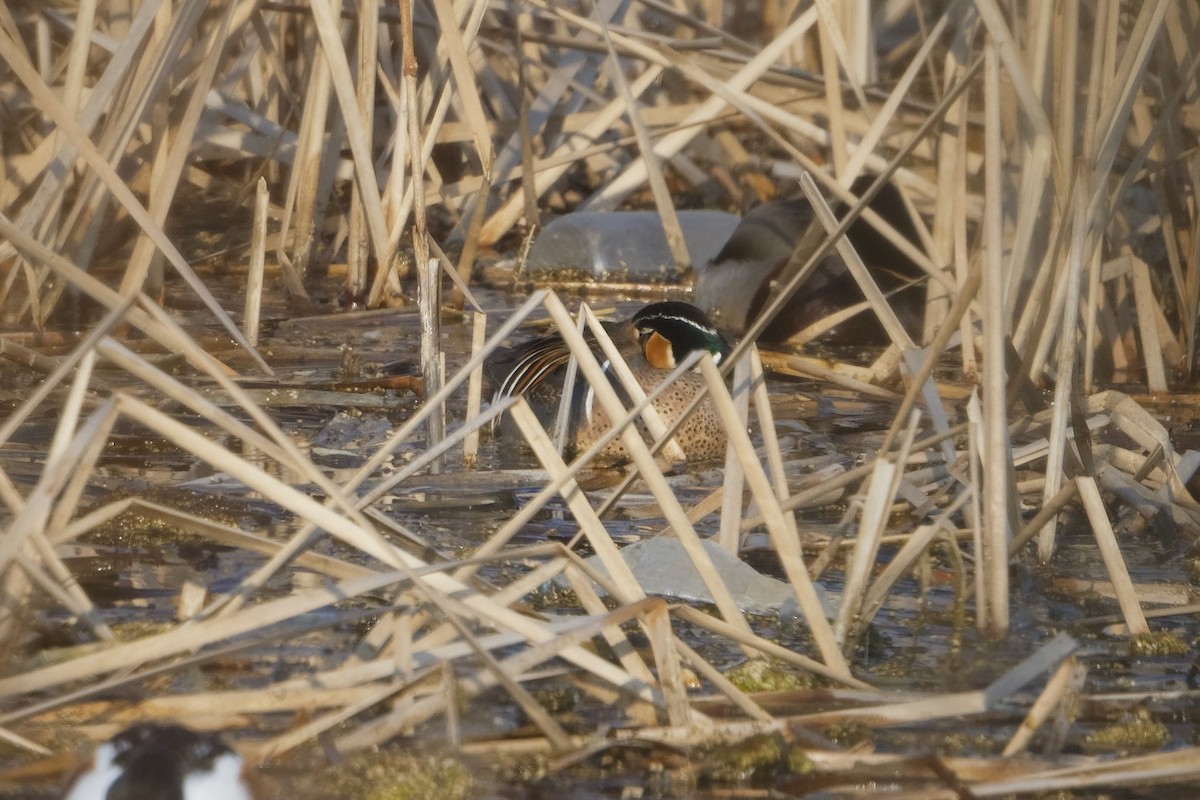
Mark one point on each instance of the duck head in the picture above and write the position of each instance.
(667, 332)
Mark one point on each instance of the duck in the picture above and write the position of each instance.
(734, 286)
(157, 761)
(654, 341)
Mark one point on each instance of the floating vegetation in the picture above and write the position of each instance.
(744, 761)
(1159, 643)
(1136, 735)
(759, 675)
(387, 775)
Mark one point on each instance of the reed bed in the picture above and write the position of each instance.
(1047, 153)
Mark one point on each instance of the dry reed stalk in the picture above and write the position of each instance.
(366, 56)
(1145, 770)
(508, 680)
(356, 121)
(654, 169)
(876, 504)
(227, 707)
(1147, 315)
(866, 284)
(190, 637)
(635, 173)
(278, 446)
(581, 509)
(832, 47)
(584, 582)
(920, 382)
(106, 173)
(568, 639)
(657, 624)
(303, 537)
(254, 274)
(896, 96)
(213, 532)
(715, 732)
(365, 540)
(1066, 363)
(428, 275)
(802, 498)
(439, 398)
(59, 583)
(551, 167)
(63, 368)
(29, 166)
(949, 229)
(308, 184)
(20, 354)
(942, 706)
(474, 388)
(167, 170)
(733, 486)
(915, 545)
(767, 647)
(1151, 594)
(70, 465)
(1036, 147)
(324, 723)
(560, 482)
(142, 315)
(398, 196)
(335, 680)
(850, 377)
(783, 535)
(1059, 691)
(429, 301)
(78, 451)
(21, 743)
(766, 424)
(992, 600)
(466, 259)
(562, 421)
(1093, 504)
(416, 105)
(1148, 503)
(740, 699)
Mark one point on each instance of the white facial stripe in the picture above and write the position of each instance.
(685, 321)
(698, 326)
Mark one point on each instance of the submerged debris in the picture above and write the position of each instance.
(1139, 734)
